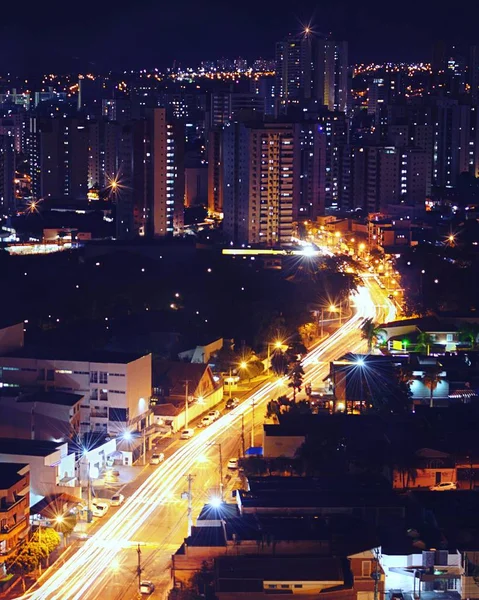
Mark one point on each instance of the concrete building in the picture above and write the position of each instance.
(196, 186)
(261, 181)
(103, 154)
(116, 387)
(14, 508)
(168, 175)
(7, 175)
(59, 157)
(52, 466)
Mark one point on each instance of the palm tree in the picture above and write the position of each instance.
(371, 332)
(431, 379)
(424, 341)
(296, 378)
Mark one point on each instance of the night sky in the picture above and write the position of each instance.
(69, 36)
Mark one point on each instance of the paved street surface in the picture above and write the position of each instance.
(154, 515)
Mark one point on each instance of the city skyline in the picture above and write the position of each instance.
(188, 33)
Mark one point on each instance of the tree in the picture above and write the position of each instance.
(424, 341)
(296, 378)
(468, 332)
(371, 332)
(431, 379)
(279, 362)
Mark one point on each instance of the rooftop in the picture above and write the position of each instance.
(248, 571)
(10, 474)
(173, 374)
(74, 354)
(53, 397)
(24, 447)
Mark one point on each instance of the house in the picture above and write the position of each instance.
(52, 466)
(14, 508)
(238, 577)
(403, 335)
(173, 383)
(431, 468)
(202, 353)
(116, 387)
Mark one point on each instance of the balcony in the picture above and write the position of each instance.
(100, 414)
(11, 529)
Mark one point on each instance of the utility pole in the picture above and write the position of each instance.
(190, 504)
(144, 445)
(221, 473)
(376, 574)
(229, 385)
(186, 403)
(242, 435)
(252, 427)
(138, 568)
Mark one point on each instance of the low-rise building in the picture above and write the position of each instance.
(51, 415)
(52, 466)
(116, 387)
(14, 508)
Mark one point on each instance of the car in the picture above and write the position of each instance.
(186, 434)
(155, 459)
(147, 587)
(117, 500)
(112, 474)
(396, 596)
(233, 463)
(445, 486)
(231, 403)
(99, 509)
(205, 421)
(214, 414)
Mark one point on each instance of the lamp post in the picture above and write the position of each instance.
(252, 424)
(335, 309)
(277, 345)
(220, 459)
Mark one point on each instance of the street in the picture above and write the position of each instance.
(154, 515)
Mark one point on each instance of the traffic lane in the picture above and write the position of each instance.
(162, 535)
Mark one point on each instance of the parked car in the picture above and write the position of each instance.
(117, 499)
(445, 486)
(396, 595)
(155, 459)
(112, 475)
(186, 434)
(147, 587)
(214, 414)
(231, 403)
(205, 421)
(233, 463)
(99, 509)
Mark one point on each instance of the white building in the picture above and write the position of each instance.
(117, 387)
(52, 467)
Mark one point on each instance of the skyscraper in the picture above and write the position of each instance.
(261, 181)
(311, 67)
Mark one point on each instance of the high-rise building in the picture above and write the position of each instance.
(215, 171)
(312, 67)
(168, 174)
(58, 154)
(7, 175)
(261, 181)
(103, 142)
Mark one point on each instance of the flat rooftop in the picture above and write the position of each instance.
(74, 354)
(53, 397)
(294, 568)
(27, 447)
(10, 474)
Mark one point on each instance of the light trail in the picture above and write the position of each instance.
(84, 570)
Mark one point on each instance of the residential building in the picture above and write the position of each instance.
(261, 181)
(312, 67)
(116, 387)
(52, 466)
(215, 171)
(168, 187)
(7, 175)
(14, 508)
(59, 157)
(103, 152)
(176, 383)
(196, 186)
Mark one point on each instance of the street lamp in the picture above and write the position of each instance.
(334, 309)
(277, 346)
